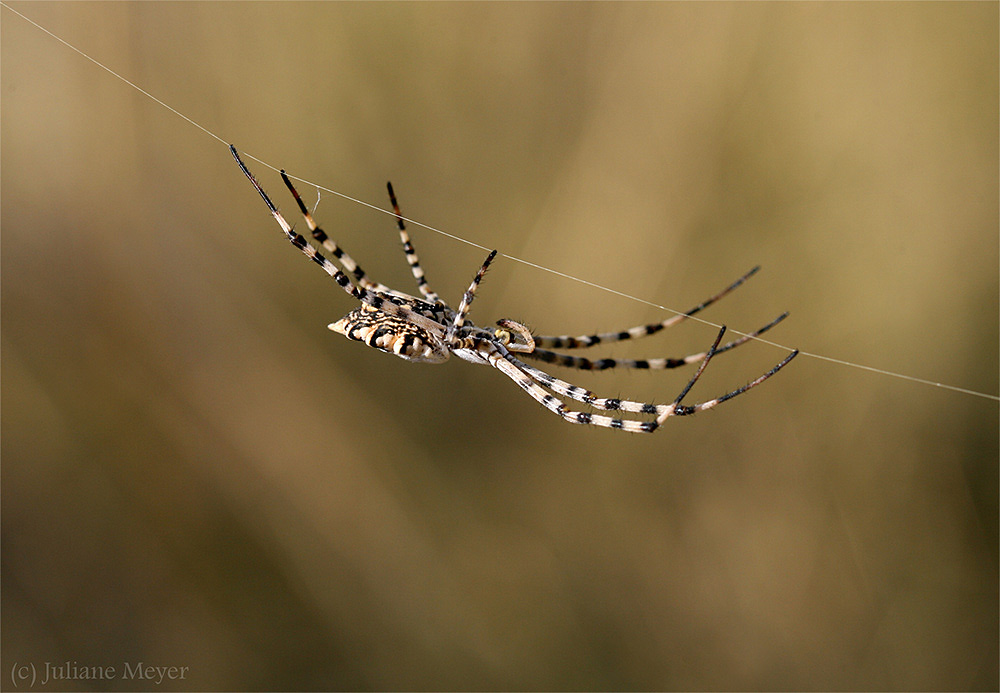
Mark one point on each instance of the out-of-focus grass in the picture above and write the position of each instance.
(196, 473)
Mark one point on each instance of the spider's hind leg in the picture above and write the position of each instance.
(345, 260)
(389, 302)
(411, 254)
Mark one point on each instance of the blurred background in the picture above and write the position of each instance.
(197, 473)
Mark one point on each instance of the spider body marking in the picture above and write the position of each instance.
(427, 330)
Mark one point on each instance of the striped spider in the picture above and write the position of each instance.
(428, 330)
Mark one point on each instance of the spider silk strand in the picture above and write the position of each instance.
(513, 258)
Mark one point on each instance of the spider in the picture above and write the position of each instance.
(428, 330)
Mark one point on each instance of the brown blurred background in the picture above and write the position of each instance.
(197, 473)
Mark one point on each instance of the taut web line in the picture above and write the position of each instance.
(901, 376)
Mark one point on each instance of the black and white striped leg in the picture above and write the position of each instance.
(575, 392)
(345, 260)
(584, 341)
(378, 301)
(468, 296)
(580, 394)
(583, 363)
(411, 254)
(490, 351)
(686, 410)
(544, 382)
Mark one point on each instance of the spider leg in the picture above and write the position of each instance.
(517, 370)
(580, 394)
(685, 410)
(586, 364)
(383, 302)
(568, 342)
(346, 261)
(411, 253)
(470, 294)
(489, 351)
(575, 392)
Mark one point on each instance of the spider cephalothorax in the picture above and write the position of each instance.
(427, 330)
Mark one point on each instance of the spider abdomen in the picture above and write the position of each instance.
(392, 335)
